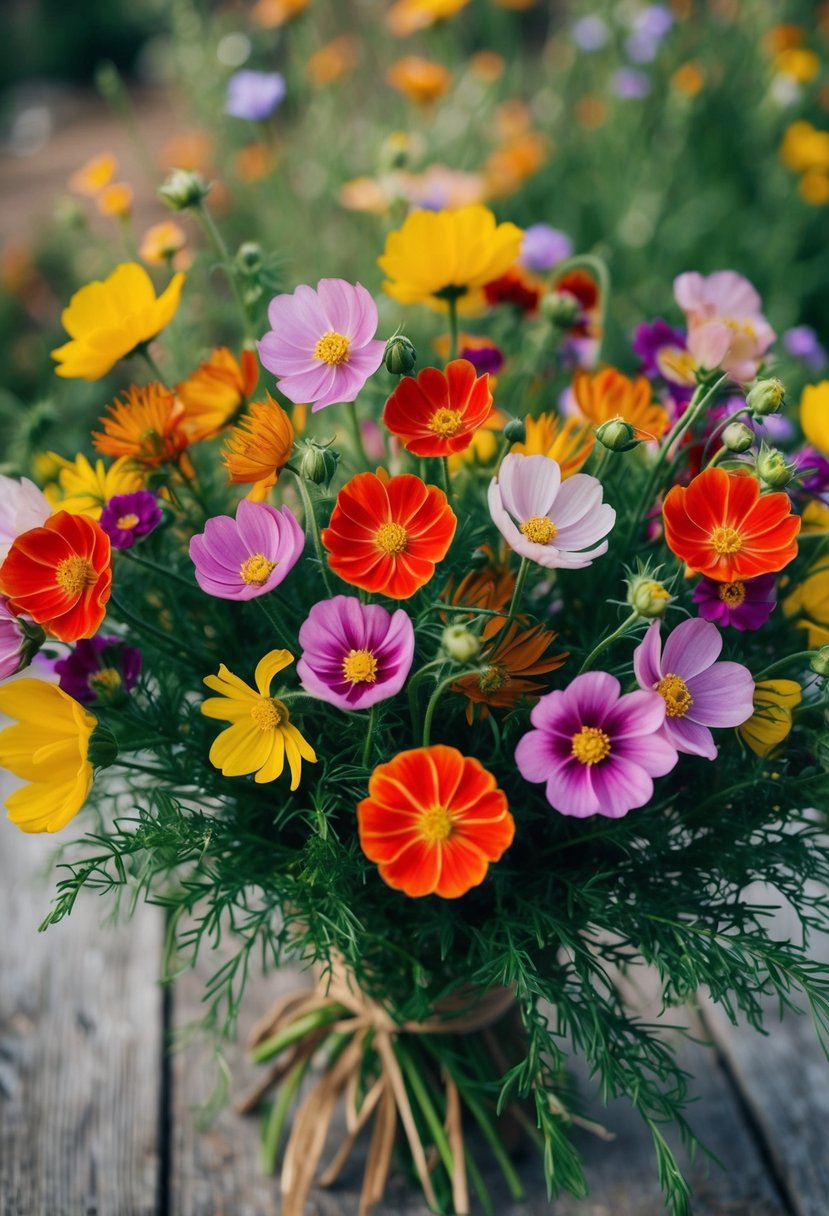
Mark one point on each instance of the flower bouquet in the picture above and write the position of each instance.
(464, 679)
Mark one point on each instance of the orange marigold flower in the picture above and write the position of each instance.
(437, 413)
(333, 60)
(115, 200)
(271, 14)
(433, 821)
(568, 441)
(407, 16)
(94, 175)
(60, 576)
(610, 394)
(146, 425)
(721, 527)
(162, 241)
(386, 535)
(515, 656)
(216, 391)
(258, 447)
(421, 80)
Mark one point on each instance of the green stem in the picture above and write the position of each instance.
(518, 592)
(424, 1101)
(372, 725)
(297, 1030)
(447, 483)
(215, 238)
(435, 697)
(312, 525)
(609, 640)
(155, 370)
(167, 575)
(492, 1138)
(275, 624)
(175, 647)
(781, 664)
(413, 686)
(356, 434)
(272, 1135)
(718, 430)
(453, 328)
(717, 457)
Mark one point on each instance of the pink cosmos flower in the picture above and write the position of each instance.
(698, 691)
(726, 326)
(12, 642)
(321, 343)
(238, 559)
(597, 750)
(22, 507)
(550, 522)
(354, 654)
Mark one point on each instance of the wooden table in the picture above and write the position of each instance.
(95, 1121)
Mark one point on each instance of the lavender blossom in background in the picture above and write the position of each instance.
(802, 342)
(254, 95)
(543, 247)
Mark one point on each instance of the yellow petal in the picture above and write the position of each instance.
(268, 666)
(275, 763)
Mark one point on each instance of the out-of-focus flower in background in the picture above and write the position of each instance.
(254, 95)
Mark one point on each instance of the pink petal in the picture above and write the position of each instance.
(594, 696)
(634, 715)
(528, 484)
(309, 386)
(691, 648)
(647, 658)
(569, 789)
(620, 785)
(578, 496)
(723, 695)
(654, 753)
(690, 737)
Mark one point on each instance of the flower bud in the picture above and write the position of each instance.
(561, 308)
(819, 662)
(460, 643)
(317, 463)
(249, 257)
(399, 356)
(773, 468)
(395, 152)
(648, 596)
(616, 435)
(103, 747)
(766, 396)
(183, 189)
(737, 437)
(515, 430)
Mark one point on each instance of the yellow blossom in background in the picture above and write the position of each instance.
(483, 449)
(421, 80)
(49, 748)
(689, 78)
(94, 175)
(162, 241)
(115, 200)
(108, 319)
(814, 187)
(814, 415)
(84, 489)
(771, 722)
(782, 37)
(591, 111)
(333, 60)
(216, 391)
(805, 147)
(507, 168)
(568, 441)
(258, 447)
(809, 602)
(261, 736)
(488, 65)
(254, 162)
(798, 64)
(365, 194)
(193, 149)
(406, 16)
(271, 14)
(608, 394)
(441, 255)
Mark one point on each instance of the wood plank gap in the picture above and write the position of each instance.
(165, 1097)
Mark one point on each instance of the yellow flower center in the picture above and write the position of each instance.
(741, 327)
(492, 679)
(107, 679)
(360, 667)
(256, 569)
(268, 713)
(726, 540)
(74, 573)
(732, 594)
(126, 521)
(674, 691)
(436, 825)
(332, 348)
(446, 423)
(391, 538)
(678, 364)
(539, 529)
(590, 745)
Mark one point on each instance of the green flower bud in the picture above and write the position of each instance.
(737, 437)
(515, 430)
(773, 468)
(617, 435)
(183, 189)
(249, 257)
(819, 662)
(317, 463)
(561, 308)
(648, 596)
(766, 396)
(395, 152)
(460, 643)
(399, 356)
(103, 747)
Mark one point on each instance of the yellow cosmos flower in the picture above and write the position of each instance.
(814, 415)
(771, 722)
(565, 440)
(162, 241)
(262, 736)
(49, 748)
(108, 320)
(438, 256)
(115, 200)
(809, 601)
(94, 175)
(84, 489)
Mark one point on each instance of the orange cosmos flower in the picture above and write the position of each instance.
(386, 535)
(146, 425)
(421, 80)
(259, 447)
(271, 14)
(566, 440)
(515, 656)
(438, 413)
(721, 527)
(60, 576)
(115, 200)
(162, 242)
(433, 821)
(609, 394)
(216, 391)
(407, 16)
(333, 60)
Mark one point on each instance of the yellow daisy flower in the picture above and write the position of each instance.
(569, 441)
(261, 736)
(814, 415)
(809, 600)
(49, 748)
(94, 175)
(108, 320)
(85, 489)
(771, 722)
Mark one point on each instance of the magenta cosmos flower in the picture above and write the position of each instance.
(102, 668)
(13, 656)
(354, 654)
(743, 605)
(128, 517)
(321, 344)
(238, 559)
(549, 521)
(597, 750)
(698, 691)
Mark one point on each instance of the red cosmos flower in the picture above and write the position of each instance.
(517, 287)
(584, 289)
(386, 535)
(433, 821)
(60, 576)
(439, 412)
(720, 526)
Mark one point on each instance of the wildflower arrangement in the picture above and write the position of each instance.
(483, 676)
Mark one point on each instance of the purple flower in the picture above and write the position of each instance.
(590, 33)
(664, 352)
(650, 27)
(12, 642)
(354, 654)
(548, 521)
(102, 668)
(814, 472)
(484, 358)
(321, 342)
(698, 691)
(630, 84)
(254, 95)
(743, 605)
(544, 247)
(128, 517)
(241, 558)
(802, 342)
(597, 750)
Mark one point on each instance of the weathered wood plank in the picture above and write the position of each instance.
(80, 1050)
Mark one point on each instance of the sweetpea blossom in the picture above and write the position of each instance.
(744, 604)
(22, 507)
(127, 518)
(321, 344)
(699, 692)
(241, 558)
(254, 95)
(353, 654)
(726, 326)
(553, 523)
